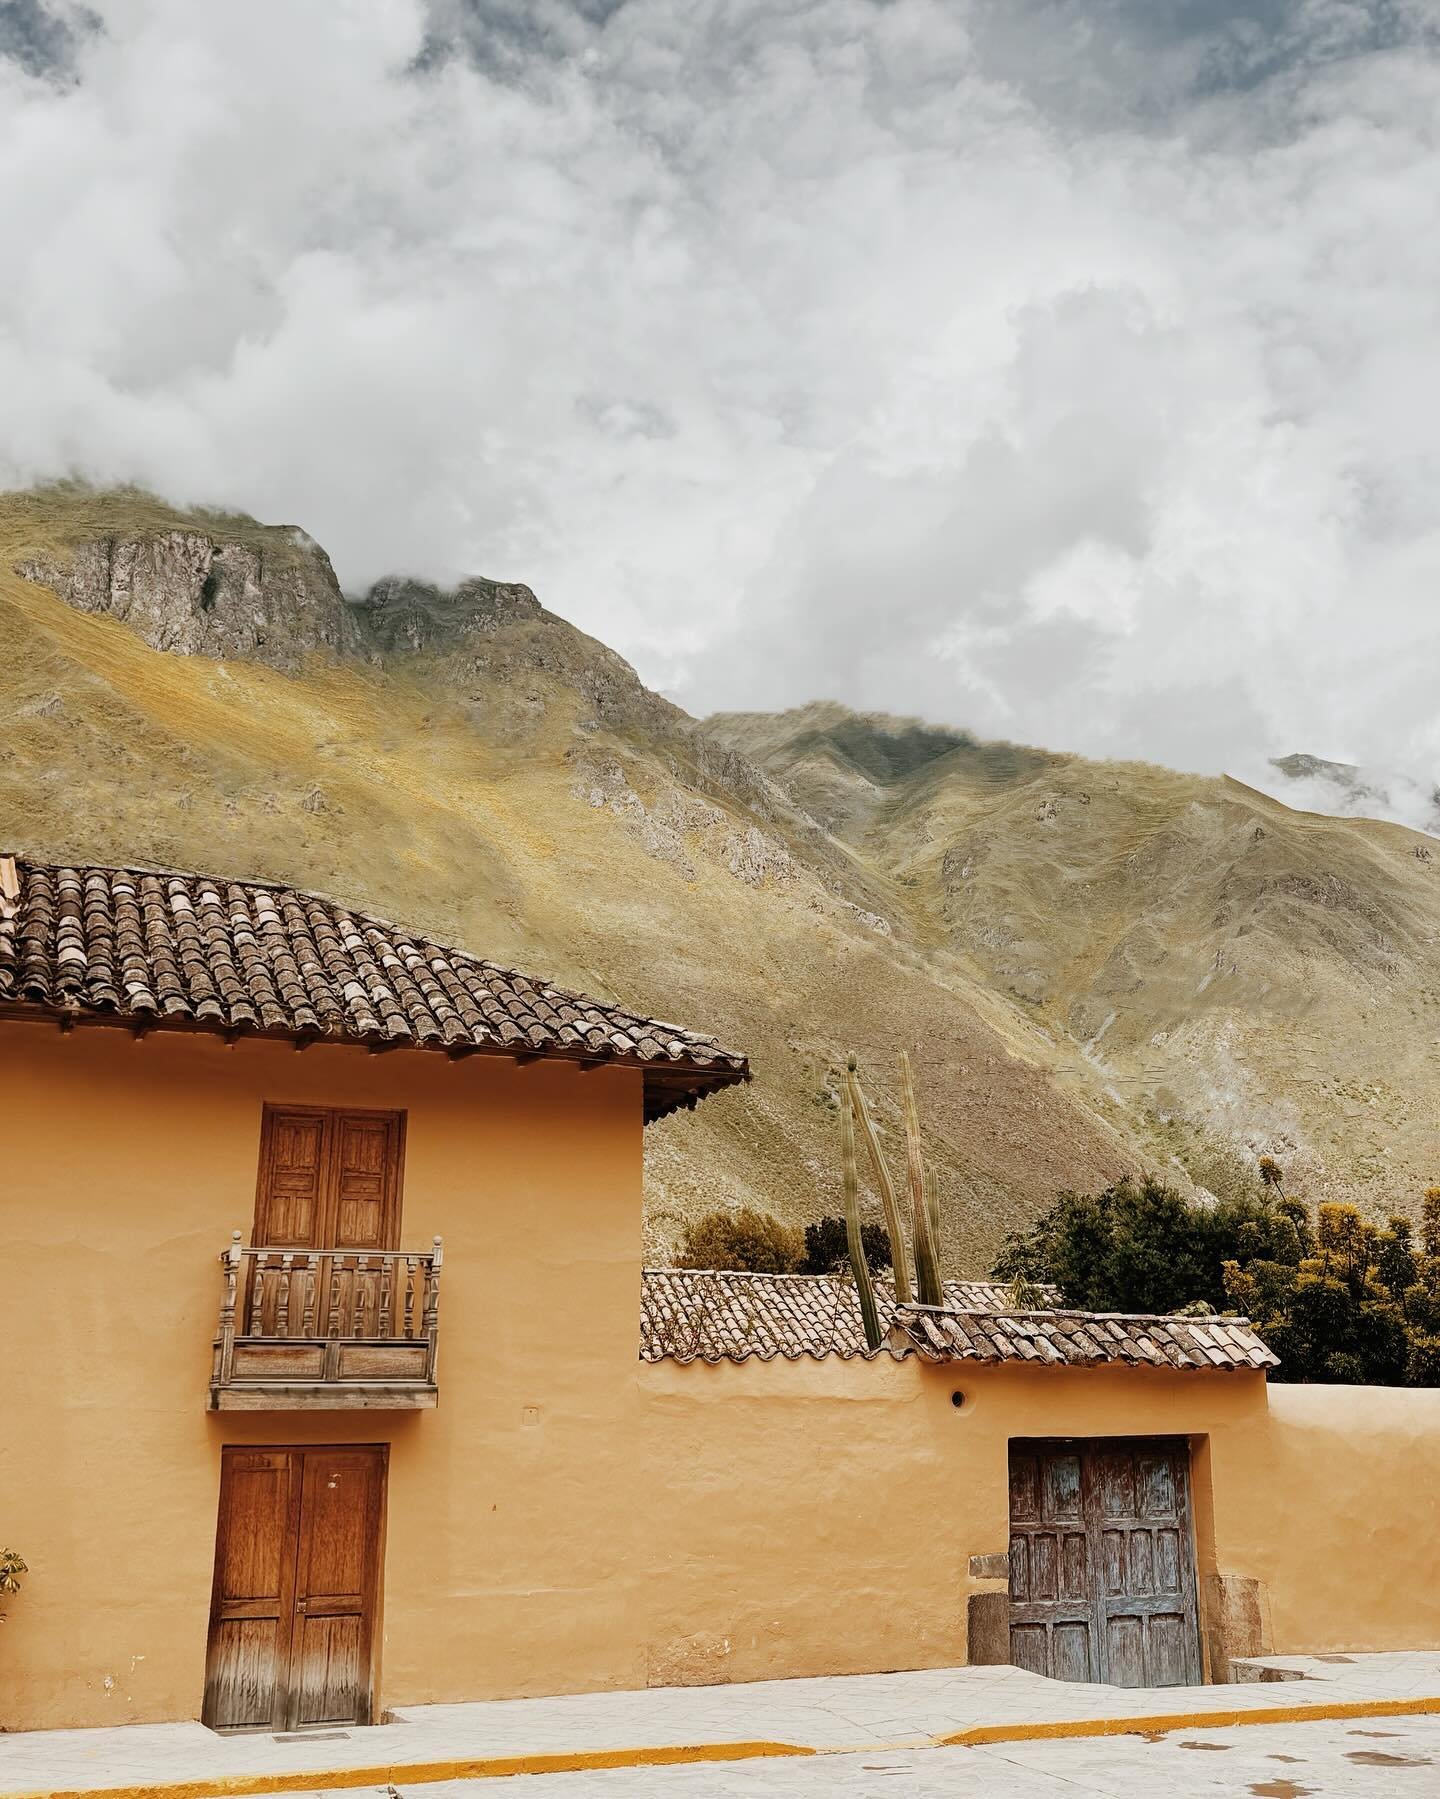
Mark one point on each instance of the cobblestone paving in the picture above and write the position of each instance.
(1386, 1759)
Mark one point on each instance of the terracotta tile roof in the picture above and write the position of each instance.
(189, 951)
(1079, 1339)
(690, 1314)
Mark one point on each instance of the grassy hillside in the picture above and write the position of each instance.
(1240, 976)
(512, 786)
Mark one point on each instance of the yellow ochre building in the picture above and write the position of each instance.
(333, 1381)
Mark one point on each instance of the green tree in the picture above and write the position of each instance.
(827, 1250)
(1139, 1246)
(1331, 1315)
(1340, 1299)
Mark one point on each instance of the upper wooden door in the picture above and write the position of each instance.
(329, 1179)
(297, 1560)
(1102, 1561)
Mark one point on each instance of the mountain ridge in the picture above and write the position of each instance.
(803, 884)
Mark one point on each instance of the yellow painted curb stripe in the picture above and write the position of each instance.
(1164, 1722)
(236, 1786)
(239, 1786)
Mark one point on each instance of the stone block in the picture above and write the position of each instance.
(990, 1567)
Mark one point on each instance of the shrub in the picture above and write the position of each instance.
(11, 1567)
(827, 1249)
(745, 1241)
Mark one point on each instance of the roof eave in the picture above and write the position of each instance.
(668, 1087)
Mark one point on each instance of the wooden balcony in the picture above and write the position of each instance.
(326, 1329)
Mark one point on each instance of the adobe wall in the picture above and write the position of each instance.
(658, 1523)
(510, 1547)
(1342, 1518)
(815, 1518)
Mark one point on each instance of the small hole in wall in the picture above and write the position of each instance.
(957, 1400)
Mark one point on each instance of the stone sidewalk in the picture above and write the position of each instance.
(872, 1712)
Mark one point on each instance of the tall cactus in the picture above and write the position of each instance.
(850, 1179)
(899, 1262)
(927, 1260)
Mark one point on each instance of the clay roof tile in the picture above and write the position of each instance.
(190, 949)
(693, 1313)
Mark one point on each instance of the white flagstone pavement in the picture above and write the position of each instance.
(864, 1711)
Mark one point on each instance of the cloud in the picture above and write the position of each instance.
(1052, 367)
(42, 36)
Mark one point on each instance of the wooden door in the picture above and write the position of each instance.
(335, 1580)
(328, 1180)
(1149, 1626)
(1052, 1574)
(252, 1605)
(1102, 1561)
(297, 1562)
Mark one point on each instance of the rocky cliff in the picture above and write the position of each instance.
(195, 594)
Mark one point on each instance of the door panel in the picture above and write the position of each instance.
(365, 1187)
(330, 1662)
(1168, 1562)
(1125, 1652)
(336, 1526)
(335, 1585)
(1030, 1647)
(297, 1573)
(1152, 1610)
(1060, 1488)
(1166, 1651)
(253, 1599)
(1102, 1569)
(241, 1679)
(1070, 1652)
(1051, 1581)
(250, 1568)
(1074, 1565)
(1157, 1484)
(290, 1202)
(1024, 1484)
(1044, 1567)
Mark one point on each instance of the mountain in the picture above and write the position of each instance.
(1343, 788)
(1099, 967)
(1236, 973)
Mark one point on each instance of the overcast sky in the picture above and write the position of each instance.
(1066, 369)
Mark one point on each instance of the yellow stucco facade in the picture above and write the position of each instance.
(566, 1518)
(511, 1528)
(814, 1518)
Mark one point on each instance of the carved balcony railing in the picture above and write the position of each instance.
(326, 1329)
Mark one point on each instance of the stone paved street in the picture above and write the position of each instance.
(884, 1713)
(1387, 1759)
